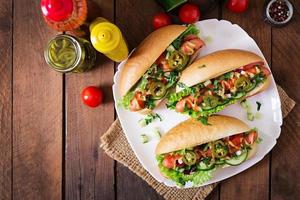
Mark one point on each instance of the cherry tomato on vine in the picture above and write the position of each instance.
(92, 96)
(189, 13)
(237, 6)
(160, 20)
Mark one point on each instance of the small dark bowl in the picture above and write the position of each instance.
(271, 20)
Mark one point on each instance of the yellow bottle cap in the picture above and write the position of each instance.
(105, 36)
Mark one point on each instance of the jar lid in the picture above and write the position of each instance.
(105, 36)
(57, 10)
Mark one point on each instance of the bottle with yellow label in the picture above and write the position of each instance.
(107, 39)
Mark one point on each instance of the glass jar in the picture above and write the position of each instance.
(65, 53)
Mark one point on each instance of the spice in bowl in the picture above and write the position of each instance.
(279, 12)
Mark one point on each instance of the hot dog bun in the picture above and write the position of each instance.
(216, 64)
(146, 54)
(191, 133)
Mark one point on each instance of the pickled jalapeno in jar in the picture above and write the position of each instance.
(65, 53)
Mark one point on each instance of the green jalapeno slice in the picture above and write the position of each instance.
(220, 150)
(157, 90)
(243, 84)
(209, 102)
(178, 60)
(189, 158)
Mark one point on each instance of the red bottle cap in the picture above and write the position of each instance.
(57, 10)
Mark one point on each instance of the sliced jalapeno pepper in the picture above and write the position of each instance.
(189, 158)
(220, 150)
(209, 102)
(243, 84)
(157, 90)
(178, 60)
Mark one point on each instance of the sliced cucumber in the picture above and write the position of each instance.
(238, 160)
(220, 162)
(204, 167)
(239, 95)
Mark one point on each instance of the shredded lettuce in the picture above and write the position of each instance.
(125, 102)
(197, 178)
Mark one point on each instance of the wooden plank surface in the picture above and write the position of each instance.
(134, 19)
(5, 99)
(42, 109)
(285, 157)
(37, 109)
(254, 182)
(89, 172)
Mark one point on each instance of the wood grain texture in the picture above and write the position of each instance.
(285, 157)
(5, 99)
(37, 109)
(135, 20)
(254, 182)
(89, 172)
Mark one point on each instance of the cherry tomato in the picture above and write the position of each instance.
(185, 102)
(189, 13)
(251, 65)
(191, 46)
(163, 63)
(236, 139)
(266, 71)
(137, 103)
(238, 6)
(160, 20)
(251, 137)
(170, 161)
(92, 96)
(251, 70)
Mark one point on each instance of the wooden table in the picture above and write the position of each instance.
(49, 141)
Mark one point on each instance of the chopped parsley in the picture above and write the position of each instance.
(149, 119)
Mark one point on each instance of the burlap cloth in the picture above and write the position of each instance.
(115, 145)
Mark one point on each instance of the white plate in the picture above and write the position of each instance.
(218, 35)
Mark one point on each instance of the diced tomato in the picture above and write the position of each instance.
(233, 149)
(198, 153)
(190, 37)
(164, 81)
(266, 71)
(187, 101)
(236, 140)
(163, 63)
(189, 47)
(180, 106)
(226, 84)
(208, 92)
(251, 70)
(251, 65)
(137, 103)
(210, 86)
(251, 137)
(229, 83)
(170, 161)
(206, 153)
(199, 100)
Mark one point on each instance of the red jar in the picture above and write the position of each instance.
(64, 15)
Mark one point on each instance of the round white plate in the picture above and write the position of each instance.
(218, 35)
